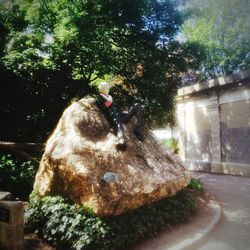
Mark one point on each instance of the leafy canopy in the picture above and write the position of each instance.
(54, 51)
(91, 38)
(223, 29)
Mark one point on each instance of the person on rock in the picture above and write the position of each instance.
(116, 117)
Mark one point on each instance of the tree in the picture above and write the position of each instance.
(66, 46)
(223, 29)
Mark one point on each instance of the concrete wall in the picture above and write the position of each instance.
(214, 123)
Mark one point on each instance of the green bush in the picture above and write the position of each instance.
(196, 184)
(17, 176)
(70, 227)
(172, 144)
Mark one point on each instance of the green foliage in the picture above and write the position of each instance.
(53, 51)
(64, 224)
(196, 184)
(222, 28)
(172, 144)
(17, 176)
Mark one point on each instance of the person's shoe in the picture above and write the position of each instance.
(139, 135)
(121, 145)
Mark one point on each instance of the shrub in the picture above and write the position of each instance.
(196, 184)
(172, 144)
(67, 226)
(17, 176)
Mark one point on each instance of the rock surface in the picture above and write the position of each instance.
(81, 161)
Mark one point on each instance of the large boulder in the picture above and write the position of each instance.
(81, 161)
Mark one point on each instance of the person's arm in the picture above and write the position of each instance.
(108, 100)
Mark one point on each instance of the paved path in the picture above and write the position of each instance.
(221, 226)
(233, 230)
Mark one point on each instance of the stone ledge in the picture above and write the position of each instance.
(230, 168)
(223, 80)
(218, 167)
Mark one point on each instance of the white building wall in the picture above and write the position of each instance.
(214, 128)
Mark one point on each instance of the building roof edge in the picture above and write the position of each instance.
(217, 82)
